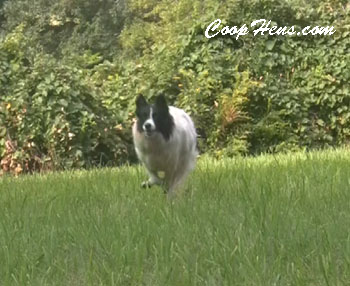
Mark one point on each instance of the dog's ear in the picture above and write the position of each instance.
(140, 101)
(161, 102)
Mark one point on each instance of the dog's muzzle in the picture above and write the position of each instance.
(148, 128)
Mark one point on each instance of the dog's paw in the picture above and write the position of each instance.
(146, 185)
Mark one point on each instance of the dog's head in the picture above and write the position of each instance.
(152, 119)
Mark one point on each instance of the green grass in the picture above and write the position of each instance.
(271, 220)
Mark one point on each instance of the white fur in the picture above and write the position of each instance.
(150, 122)
(168, 162)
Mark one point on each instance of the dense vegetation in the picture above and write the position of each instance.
(70, 70)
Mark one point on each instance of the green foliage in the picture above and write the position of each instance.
(53, 115)
(68, 26)
(296, 93)
(247, 96)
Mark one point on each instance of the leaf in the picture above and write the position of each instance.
(320, 122)
(78, 154)
(345, 34)
(270, 44)
(269, 62)
(63, 102)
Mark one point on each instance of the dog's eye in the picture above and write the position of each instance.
(155, 114)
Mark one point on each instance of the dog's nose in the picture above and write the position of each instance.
(148, 126)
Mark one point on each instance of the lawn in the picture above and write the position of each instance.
(270, 220)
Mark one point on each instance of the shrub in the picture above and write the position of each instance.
(69, 77)
(53, 115)
(297, 87)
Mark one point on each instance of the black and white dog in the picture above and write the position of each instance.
(165, 142)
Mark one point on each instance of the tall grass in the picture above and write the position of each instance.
(270, 220)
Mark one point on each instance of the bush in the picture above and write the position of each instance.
(54, 115)
(69, 78)
(294, 93)
(64, 27)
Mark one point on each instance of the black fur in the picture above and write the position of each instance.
(142, 111)
(160, 113)
(162, 118)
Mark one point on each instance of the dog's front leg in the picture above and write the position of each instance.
(153, 180)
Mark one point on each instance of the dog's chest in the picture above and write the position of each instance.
(155, 153)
